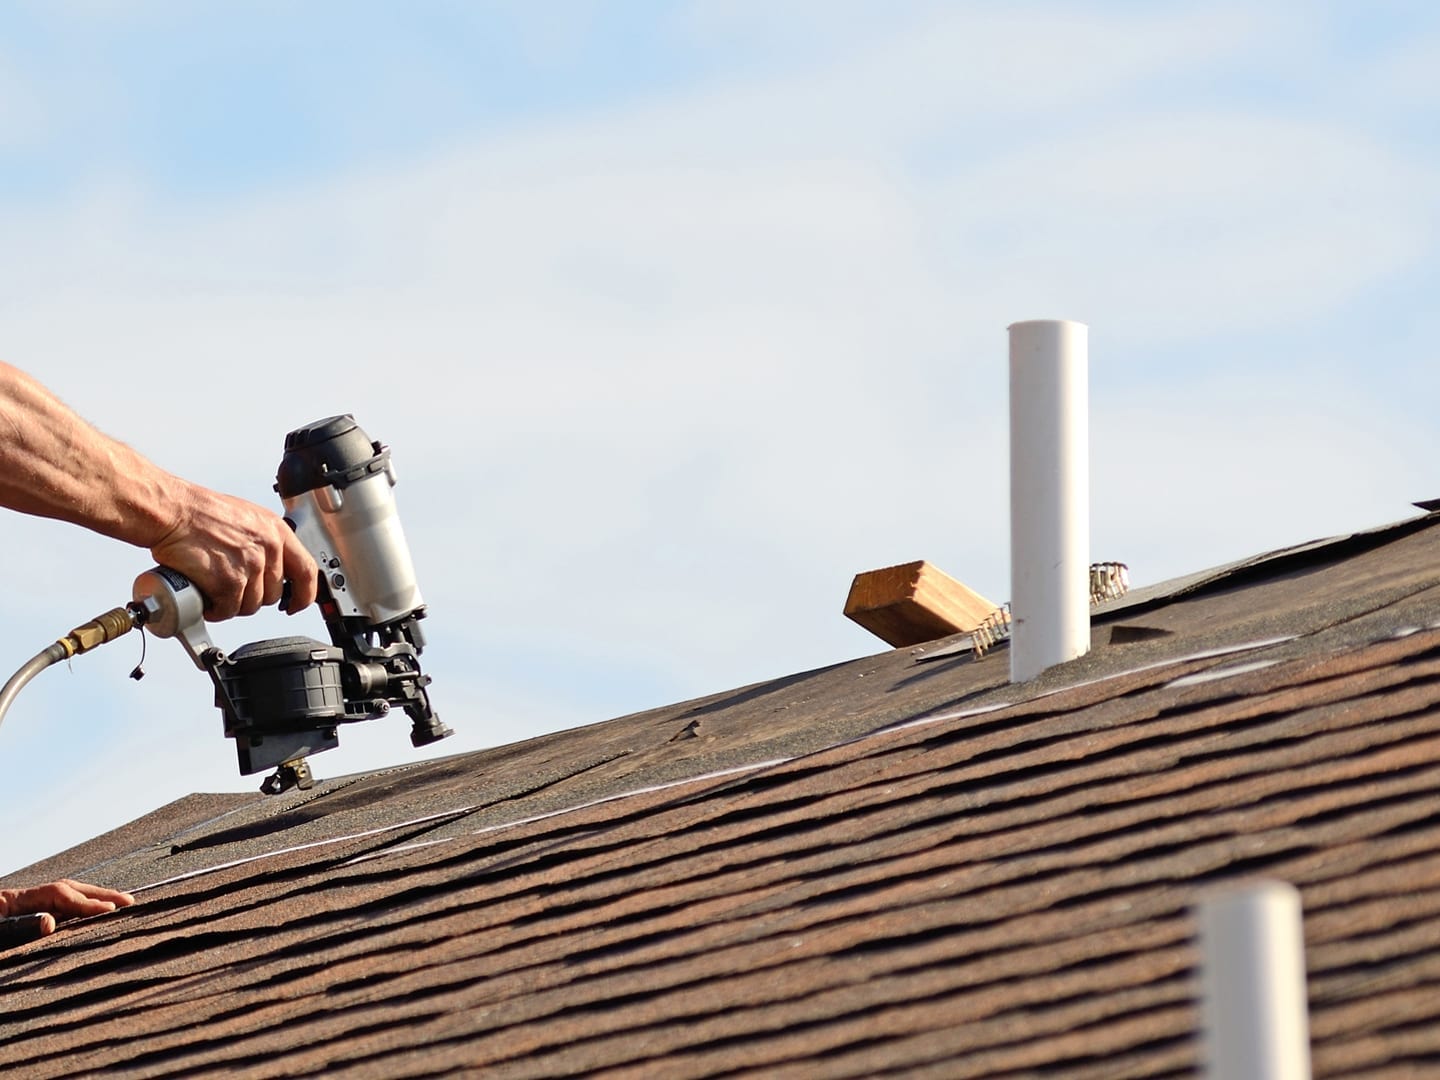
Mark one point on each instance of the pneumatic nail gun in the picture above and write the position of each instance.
(283, 699)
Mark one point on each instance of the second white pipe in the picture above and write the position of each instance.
(1254, 1007)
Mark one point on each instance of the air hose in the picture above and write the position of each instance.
(113, 624)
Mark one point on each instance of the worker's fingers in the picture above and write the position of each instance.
(265, 567)
(224, 592)
(238, 554)
(58, 897)
(274, 575)
(118, 897)
(252, 590)
(65, 898)
(302, 573)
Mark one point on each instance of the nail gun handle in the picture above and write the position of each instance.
(173, 606)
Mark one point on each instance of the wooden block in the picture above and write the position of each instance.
(914, 603)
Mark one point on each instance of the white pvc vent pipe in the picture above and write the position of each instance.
(1049, 495)
(1252, 975)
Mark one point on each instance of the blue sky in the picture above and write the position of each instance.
(677, 315)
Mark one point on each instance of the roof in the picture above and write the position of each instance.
(900, 864)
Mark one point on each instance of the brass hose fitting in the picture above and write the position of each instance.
(99, 630)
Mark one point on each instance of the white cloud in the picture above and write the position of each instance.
(1164, 228)
(922, 69)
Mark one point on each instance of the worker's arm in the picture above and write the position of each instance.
(54, 464)
(26, 914)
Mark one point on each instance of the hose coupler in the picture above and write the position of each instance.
(103, 628)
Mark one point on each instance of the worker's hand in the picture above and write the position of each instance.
(58, 900)
(238, 555)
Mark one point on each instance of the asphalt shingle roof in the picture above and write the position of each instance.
(901, 865)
